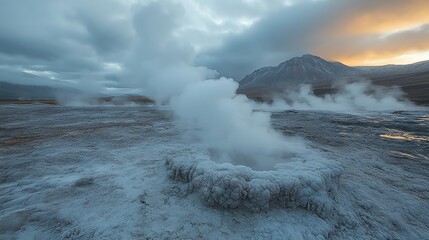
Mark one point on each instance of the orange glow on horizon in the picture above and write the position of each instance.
(376, 33)
(395, 15)
(375, 60)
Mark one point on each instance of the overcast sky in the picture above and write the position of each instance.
(95, 42)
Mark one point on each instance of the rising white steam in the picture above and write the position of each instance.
(353, 97)
(230, 126)
(163, 66)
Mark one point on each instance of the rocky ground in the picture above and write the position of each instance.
(100, 172)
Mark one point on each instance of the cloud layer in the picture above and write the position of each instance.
(94, 42)
(355, 32)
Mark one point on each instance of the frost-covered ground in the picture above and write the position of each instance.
(100, 173)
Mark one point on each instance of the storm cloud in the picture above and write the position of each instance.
(355, 32)
(75, 41)
(97, 42)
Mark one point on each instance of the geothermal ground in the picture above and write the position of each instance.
(136, 172)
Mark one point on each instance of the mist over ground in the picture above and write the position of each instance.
(353, 97)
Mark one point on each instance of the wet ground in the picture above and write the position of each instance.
(98, 172)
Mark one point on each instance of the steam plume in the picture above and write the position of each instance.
(162, 66)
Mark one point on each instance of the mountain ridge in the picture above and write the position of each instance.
(416, 67)
(12, 91)
(265, 82)
(307, 69)
(314, 70)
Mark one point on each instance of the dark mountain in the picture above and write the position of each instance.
(11, 91)
(18, 85)
(306, 69)
(309, 69)
(376, 71)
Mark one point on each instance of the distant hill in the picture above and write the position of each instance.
(10, 91)
(414, 84)
(375, 71)
(306, 69)
(320, 73)
(18, 85)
